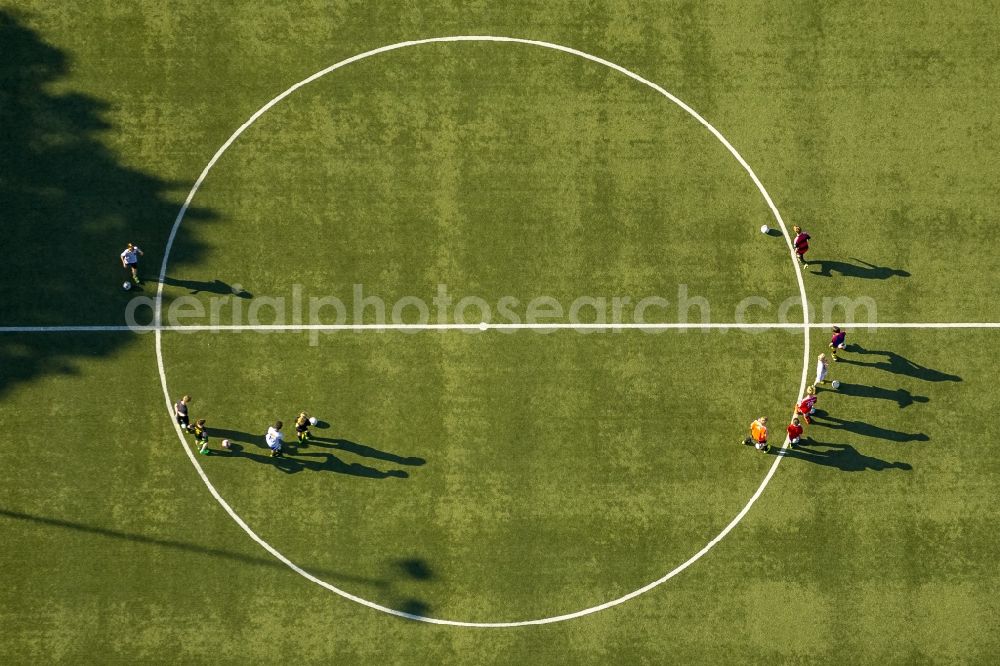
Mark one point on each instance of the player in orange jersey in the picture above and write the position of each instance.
(758, 434)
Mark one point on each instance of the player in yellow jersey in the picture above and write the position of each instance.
(302, 428)
(201, 437)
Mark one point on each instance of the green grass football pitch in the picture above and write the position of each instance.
(498, 476)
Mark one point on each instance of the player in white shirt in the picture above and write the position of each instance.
(130, 260)
(274, 439)
(822, 367)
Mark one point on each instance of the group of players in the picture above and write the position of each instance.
(805, 408)
(274, 438)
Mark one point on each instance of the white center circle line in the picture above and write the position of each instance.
(157, 326)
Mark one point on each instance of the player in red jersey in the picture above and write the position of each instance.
(801, 245)
(837, 342)
(794, 433)
(807, 404)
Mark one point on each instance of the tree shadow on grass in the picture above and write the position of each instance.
(824, 420)
(69, 206)
(900, 396)
(899, 365)
(398, 572)
(240, 558)
(844, 457)
(862, 269)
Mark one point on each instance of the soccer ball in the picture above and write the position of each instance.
(836, 384)
(126, 285)
(812, 410)
(313, 420)
(764, 229)
(226, 444)
(841, 346)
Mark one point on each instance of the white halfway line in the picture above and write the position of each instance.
(194, 328)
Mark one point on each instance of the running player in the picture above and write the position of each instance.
(201, 437)
(181, 412)
(794, 433)
(274, 439)
(758, 434)
(837, 342)
(130, 260)
(807, 404)
(801, 244)
(302, 428)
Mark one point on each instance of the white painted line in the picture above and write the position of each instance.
(925, 325)
(218, 328)
(246, 528)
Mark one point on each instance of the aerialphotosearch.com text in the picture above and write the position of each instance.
(364, 309)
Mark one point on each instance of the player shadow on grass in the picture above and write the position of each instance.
(862, 269)
(824, 420)
(844, 457)
(899, 365)
(900, 396)
(314, 462)
(214, 287)
(64, 189)
(218, 434)
(365, 451)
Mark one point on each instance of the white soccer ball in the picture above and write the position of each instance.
(313, 420)
(126, 285)
(812, 410)
(765, 229)
(836, 384)
(225, 444)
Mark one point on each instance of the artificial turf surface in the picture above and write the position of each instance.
(499, 476)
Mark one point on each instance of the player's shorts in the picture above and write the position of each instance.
(182, 420)
(131, 267)
(302, 428)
